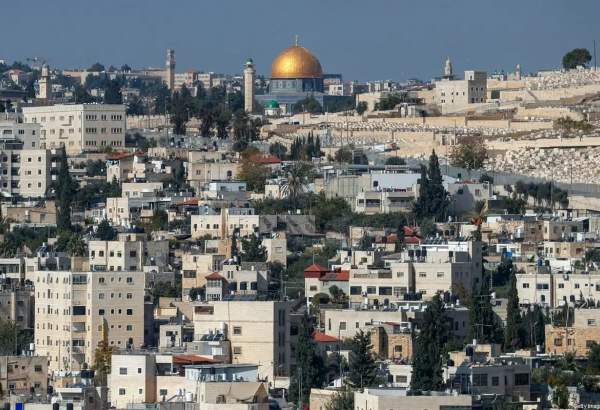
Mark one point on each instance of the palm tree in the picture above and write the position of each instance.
(77, 246)
(296, 181)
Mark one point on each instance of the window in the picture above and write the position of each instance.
(591, 322)
(401, 379)
(237, 330)
(237, 350)
(480, 379)
(525, 285)
(342, 325)
(139, 370)
(371, 290)
(163, 392)
(355, 290)
(495, 381)
(123, 370)
(521, 379)
(558, 342)
(37, 368)
(121, 392)
(542, 286)
(385, 290)
(129, 312)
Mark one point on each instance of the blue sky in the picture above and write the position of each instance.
(363, 39)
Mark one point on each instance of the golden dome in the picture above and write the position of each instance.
(296, 62)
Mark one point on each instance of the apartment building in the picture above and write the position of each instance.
(25, 168)
(220, 225)
(482, 371)
(555, 289)
(196, 266)
(435, 266)
(127, 255)
(79, 127)
(126, 166)
(345, 323)
(259, 332)
(17, 303)
(400, 399)
(204, 167)
(76, 310)
(23, 375)
(576, 339)
(453, 94)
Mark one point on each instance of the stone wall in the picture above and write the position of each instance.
(147, 121)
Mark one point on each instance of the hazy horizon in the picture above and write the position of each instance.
(362, 40)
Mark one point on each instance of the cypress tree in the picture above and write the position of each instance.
(437, 195)
(514, 333)
(65, 189)
(363, 369)
(421, 208)
(429, 351)
(310, 366)
(485, 328)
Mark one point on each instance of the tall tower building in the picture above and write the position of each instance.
(44, 84)
(170, 69)
(518, 72)
(448, 70)
(249, 76)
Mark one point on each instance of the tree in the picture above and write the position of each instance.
(308, 104)
(81, 96)
(296, 181)
(337, 295)
(365, 243)
(112, 92)
(135, 106)
(363, 369)
(105, 232)
(65, 190)
(310, 369)
(576, 57)
(96, 68)
(361, 107)
(181, 110)
(255, 174)
(253, 250)
(103, 356)
(485, 328)
(593, 359)
(433, 199)
(95, 168)
(13, 339)
(195, 292)
(343, 154)
(469, 154)
(514, 333)
(76, 246)
(278, 149)
(429, 352)
(160, 220)
(341, 400)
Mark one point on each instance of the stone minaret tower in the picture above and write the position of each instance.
(448, 71)
(170, 69)
(518, 72)
(249, 76)
(45, 86)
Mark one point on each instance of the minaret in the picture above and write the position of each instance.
(448, 69)
(44, 84)
(249, 76)
(170, 69)
(518, 72)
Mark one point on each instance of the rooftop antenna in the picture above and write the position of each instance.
(296, 40)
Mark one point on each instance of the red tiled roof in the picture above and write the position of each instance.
(315, 271)
(190, 201)
(321, 337)
(340, 276)
(193, 359)
(266, 159)
(412, 240)
(215, 276)
(119, 155)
